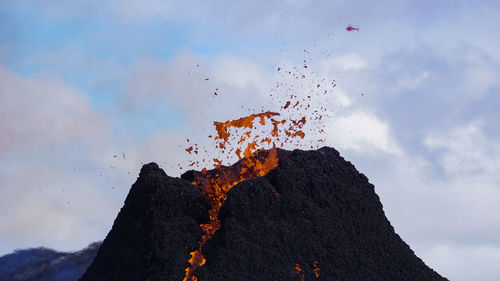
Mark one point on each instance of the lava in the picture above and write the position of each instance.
(300, 271)
(316, 269)
(254, 139)
(286, 105)
(244, 122)
(255, 162)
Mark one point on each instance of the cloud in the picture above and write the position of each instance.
(41, 111)
(51, 206)
(164, 147)
(50, 156)
(422, 90)
(466, 151)
(364, 133)
(481, 261)
(351, 61)
(189, 82)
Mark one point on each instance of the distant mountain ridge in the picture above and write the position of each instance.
(42, 264)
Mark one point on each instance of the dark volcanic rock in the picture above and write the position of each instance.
(41, 264)
(314, 208)
(314, 217)
(154, 232)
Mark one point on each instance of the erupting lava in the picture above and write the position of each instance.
(256, 163)
(249, 136)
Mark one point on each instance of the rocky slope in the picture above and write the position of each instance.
(154, 232)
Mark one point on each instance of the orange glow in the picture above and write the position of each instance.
(215, 188)
(244, 122)
(300, 271)
(215, 185)
(316, 269)
(196, 258)
(248, 137)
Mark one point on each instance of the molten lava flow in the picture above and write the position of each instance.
(255, 162)
(216, 183)
(215, 187)
(249, 136)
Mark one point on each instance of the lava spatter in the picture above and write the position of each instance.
(247, 138)
(316, 269)
(299, 271)
(256, 163)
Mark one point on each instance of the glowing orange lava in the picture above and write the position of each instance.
(256, 163)
(248, 137)
(316, 269)
(300, 271)
(215, 188)
(244, 122)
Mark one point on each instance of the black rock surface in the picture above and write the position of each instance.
(41, 264)
(315, 210)
(154, 232)
(314, 217)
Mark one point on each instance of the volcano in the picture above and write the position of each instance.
(310, 215)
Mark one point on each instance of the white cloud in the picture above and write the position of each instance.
(351, 61)
(463, 263)
(341, 98)
(481, 73)
(53, 148)
(39, 111)
(414, 81)
(188, 83)
(52, 206)
(163, 147)
(363, 132)
(466, 151)
(237, 72)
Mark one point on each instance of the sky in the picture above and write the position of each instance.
(91, 90)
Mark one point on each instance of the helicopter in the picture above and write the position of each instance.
(352, 28)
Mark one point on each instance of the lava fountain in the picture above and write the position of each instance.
(254, 140)
(253, 163)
